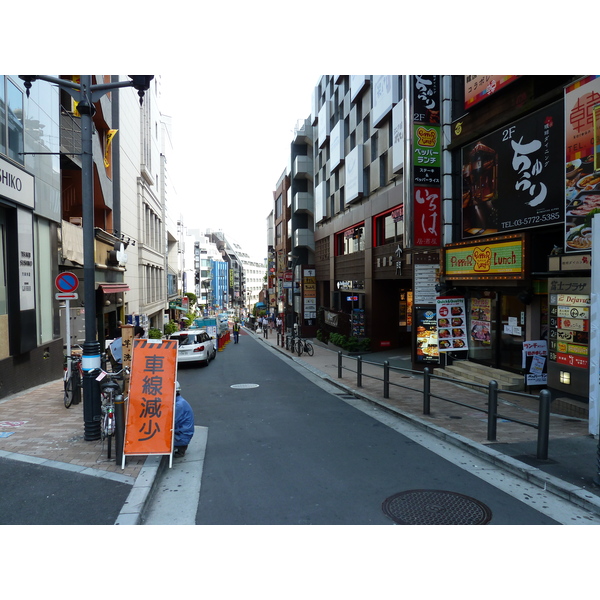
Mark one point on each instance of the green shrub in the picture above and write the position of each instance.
(171, 327)
(352, 344)
(154, 333)
(323, 336)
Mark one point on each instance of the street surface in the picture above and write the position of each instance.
(283, 448)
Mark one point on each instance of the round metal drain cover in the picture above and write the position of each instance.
(435, 507)
(244, 386)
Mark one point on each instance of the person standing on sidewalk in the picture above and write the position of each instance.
(236, 332)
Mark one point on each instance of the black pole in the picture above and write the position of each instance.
(91, 348)
(426, 391)
(543, 425)
(492, 410)
(386, 378)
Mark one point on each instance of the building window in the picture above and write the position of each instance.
(383, 170)
(11, 120)
(389, 226)
(351, 240)
(279, 206)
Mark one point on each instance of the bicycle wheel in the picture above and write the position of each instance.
(308, 347)
(68, 397)
(299, 347)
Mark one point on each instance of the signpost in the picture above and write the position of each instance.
(66, 284)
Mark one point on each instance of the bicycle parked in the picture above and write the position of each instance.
(110, 394)
(72, 380)
(304, 346)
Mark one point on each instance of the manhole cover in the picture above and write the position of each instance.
(244, 386)
(435, 507)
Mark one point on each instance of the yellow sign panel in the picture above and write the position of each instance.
(485, 260)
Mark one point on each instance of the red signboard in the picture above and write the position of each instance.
(573, 361)
(427, 224)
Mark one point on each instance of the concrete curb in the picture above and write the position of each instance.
(141, 493)
(572, 493)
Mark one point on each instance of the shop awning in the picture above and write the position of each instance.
(113, 288)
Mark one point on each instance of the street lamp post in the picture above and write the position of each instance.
(86, 95)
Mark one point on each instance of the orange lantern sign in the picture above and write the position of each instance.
(151, 407)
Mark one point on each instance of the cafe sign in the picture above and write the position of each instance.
(493, 259)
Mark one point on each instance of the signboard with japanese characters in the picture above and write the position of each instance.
(427, 216)
(151, 406)
(425, 279)
(569, 326)
(451, 324)
(535, 353)
(512, 178)
(427, 154)
(582, 179)
(426, 160)
(479, 87)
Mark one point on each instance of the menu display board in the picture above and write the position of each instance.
(535, 364)
(452, 324)
(481, 316)
(427, 338)
(582, 177)
(358, 322)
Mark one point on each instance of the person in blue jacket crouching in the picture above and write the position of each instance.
(184, 422)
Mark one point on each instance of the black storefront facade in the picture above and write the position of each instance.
(520, 259)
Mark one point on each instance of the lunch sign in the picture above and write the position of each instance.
(499, 258)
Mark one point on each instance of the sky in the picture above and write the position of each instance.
(230, 153)
(237, 77)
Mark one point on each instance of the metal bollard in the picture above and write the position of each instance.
(426, 391)
(386, 378)
(359, 371)
(340, 364)
(543, 425)
(119, 428)
(492, 410)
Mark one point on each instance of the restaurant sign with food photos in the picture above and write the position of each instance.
(582, 179)
(451, 324)
(511, 178)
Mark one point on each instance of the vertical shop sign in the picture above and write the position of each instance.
(151, 406)
(309, 295)
(582, 196)
(427, 211)
(426, 159)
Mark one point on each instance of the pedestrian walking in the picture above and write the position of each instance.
(184, 422)
(236, 332)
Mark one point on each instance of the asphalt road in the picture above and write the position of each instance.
(282, 450)
(42, 495)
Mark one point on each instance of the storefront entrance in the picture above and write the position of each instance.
(497, 329)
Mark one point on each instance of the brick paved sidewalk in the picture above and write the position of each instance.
(39, 425)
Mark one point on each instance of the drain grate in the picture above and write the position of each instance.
(435, 507)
